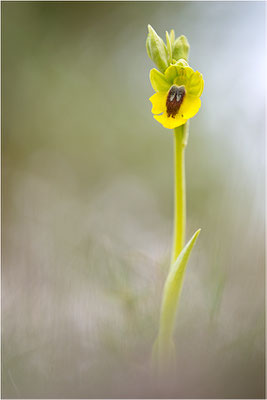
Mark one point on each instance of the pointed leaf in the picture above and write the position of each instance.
(172, 290)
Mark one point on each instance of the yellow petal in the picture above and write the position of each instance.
(158, 101)
(170, 122)
(189, 107)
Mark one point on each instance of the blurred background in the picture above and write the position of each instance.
(87, 199)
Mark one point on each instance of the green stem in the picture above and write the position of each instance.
(180, 141)
(164, 348)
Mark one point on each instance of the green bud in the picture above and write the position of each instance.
(180, 48)
(156, 49)
(172, 36)
(169, 47)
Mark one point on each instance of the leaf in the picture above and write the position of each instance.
(171, 294)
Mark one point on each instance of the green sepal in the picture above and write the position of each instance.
(156, 49)
(181, 48)
(196, 84)
(158, 81)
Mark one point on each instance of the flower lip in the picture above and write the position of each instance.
(174, 100)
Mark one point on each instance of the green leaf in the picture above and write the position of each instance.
(171, 294)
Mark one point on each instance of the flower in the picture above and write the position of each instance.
(177, 96)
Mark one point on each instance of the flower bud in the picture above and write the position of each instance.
(180, 48)
(156, 49)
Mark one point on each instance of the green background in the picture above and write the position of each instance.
(87, 202)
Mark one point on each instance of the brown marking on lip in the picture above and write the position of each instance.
(174, 100)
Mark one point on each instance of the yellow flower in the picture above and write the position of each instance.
(177, 96)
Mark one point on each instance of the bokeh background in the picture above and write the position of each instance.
(87, 202)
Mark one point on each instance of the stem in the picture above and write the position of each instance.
(164, 350)
(180, 141)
